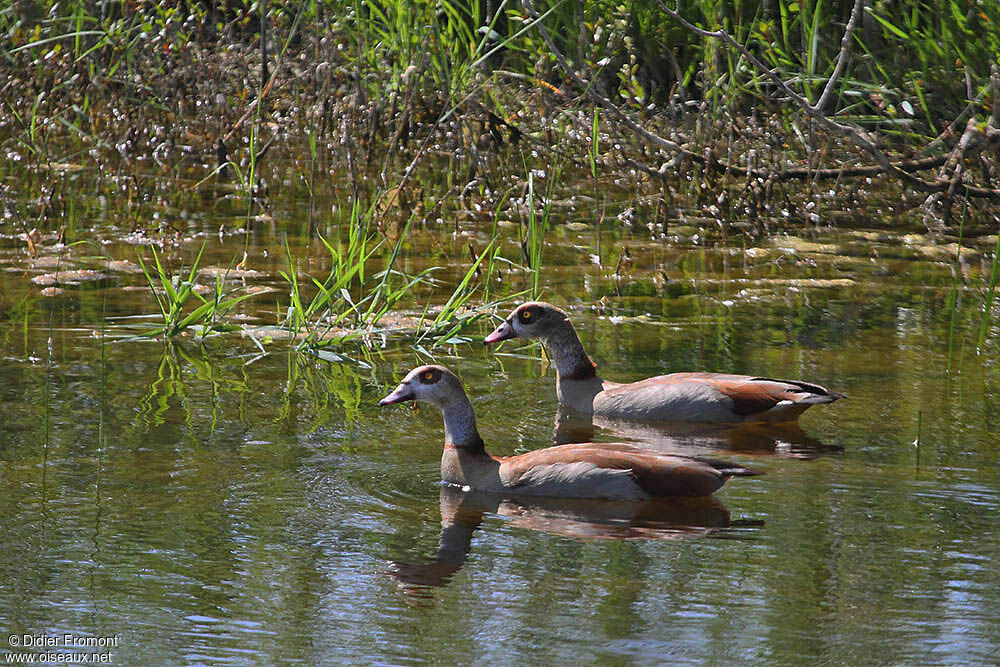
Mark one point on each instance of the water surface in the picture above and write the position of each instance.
(209, 504)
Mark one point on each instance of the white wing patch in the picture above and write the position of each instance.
(580, 479)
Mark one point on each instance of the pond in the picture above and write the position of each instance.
(218, 501)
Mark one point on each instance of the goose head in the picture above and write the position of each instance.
(429, 384)
(535, 320)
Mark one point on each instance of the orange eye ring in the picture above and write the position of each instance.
(526, 315)
(429, 376)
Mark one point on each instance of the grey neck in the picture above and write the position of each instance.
(460, 424)
(577, 382)
(572, 362)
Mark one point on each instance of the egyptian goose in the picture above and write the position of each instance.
(678, 397)
(586, 470)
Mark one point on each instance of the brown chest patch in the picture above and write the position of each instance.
(583, 371)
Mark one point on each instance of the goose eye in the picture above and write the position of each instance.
(525, 315)
(428, 376)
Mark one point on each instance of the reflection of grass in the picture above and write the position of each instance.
(193, 387)
(168, 384)
(956, 273)
(334, 381)
(990, 296)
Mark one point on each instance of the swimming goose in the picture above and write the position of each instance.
(679, 397)
(585, 470)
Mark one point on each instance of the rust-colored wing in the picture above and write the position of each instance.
(756, 395)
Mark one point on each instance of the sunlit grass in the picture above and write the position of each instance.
(173, 292)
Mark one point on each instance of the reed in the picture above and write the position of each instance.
(455, 316)
(907, 43)
(592, 156)
(533, 244)
(172, 293)
(350, 304)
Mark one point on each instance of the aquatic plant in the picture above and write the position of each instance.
(173, 292)
(455, 316)
(533, 243)
(592, 158)
(956, 273)
(333, 314)
(349, 304)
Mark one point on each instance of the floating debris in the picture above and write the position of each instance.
(947, 252)
(61, 166)
(230, 273)
(798, 244)
(49, 262)
(122, 266)
(72, 278)
(137, 238)
(765, 283)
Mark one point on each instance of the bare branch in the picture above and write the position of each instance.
(843, 58)
(857, 137)
(845, 130)
(902, 170)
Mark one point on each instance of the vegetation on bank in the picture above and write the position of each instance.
(230, 80)
(755, 113)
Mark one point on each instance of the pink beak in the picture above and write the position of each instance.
(502, 332)
(400, 394)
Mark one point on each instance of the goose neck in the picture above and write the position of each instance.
(571, 360)
(460, 424)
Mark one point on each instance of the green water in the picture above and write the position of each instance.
(207, 504)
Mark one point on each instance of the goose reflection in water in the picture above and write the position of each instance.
(692, 438)
(462, 512)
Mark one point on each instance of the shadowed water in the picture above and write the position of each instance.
(209, 505)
